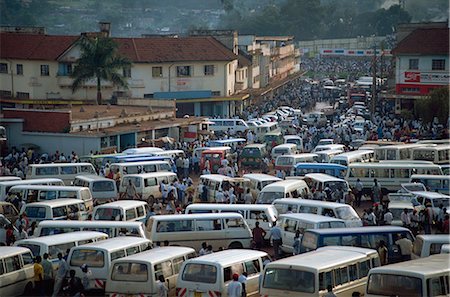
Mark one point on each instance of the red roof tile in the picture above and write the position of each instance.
(425, 41)
(33, 46)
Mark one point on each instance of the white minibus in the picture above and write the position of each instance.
(35, 193)
(65, 171)
(171, 153)
(416, 278)
(60, 209)
(6, 185)
(236, 125)
(283, 189)
(16, 271)
(102, 189)
(291, 222)
(439, 154)
(111, 228)
(283, 149)
(287, 162)
(122, 210)
(295, 139)
(326, 155)
(397, 152)
(147, 184)
(390, 175)
(345, 269)
(99, 255)
(434, 183)
(221, 230)
(60, 243)
(142, 150)
(9, 178)
(327, 147)
(141, 167)
(138, 274)
(265, 214)
(320, 181)
(429, 244)
(360, 156)
(258, 181)
(216, 182)
(210, 275)
(331, 209)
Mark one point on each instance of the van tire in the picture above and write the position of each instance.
(235, 245)
(28, 290)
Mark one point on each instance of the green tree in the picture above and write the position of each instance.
(100, 60)
(434, 105)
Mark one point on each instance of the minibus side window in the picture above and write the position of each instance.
(117, 255)
(229, 271)
(140, 211)
(59, 212)
(27, 259)
(92, 258)
(132, 250)
(364, 268)
(12, 264)
(349, 240)
(2, 270)
(164, 268)
(68, 170)
(252, 267)
(290, 225)
(130, 214)
(437, 286)
(325, 279)
(53, 250)
(234, 223)
(208, 225)
(35, 212)
(353, 272)
(130, 272)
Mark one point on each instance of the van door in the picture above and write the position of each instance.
(289, 228)
(253, 269)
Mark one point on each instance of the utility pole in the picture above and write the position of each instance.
(374, 79)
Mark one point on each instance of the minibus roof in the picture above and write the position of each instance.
(285, 145)
(7, 251)
(220, 177)
(434, 264)
(324, 165)
(285, 183)
(217, 206)
(159, 254)
(93, 177)
(261, 176)
(323, 177)
(435, 238)
(151, 174)
(113, 243)
(228, 257)
(121, 203)
(49, 188)
(54, 203)
(314, 218)
(83, 224)
(309, 202)
(29, 181)
(60, 164)
(359, 230)
(62, 238)
(222, 215)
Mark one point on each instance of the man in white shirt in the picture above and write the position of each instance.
(388, 217)
(405, 218)
(220, 197)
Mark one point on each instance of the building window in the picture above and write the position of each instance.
(22, 95)
(3, 68)
(5, 94)
(45, 70)
(64, 69)
(112, 140)
(157, 72)
(183, 71)
(215, 93)
(19, 69)
(149, 95)
(127, 72)
(410, 90)
(209, 69)
(104, 142)
(438, 64)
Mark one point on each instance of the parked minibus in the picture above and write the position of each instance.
(98, 160)
(54, 244)
(122, 210)
(321, 181)
(327, 147)
(226, 230)
(433, 199)
(397, 152)
(439, 154)
(260, 131)
(336, 170)
(291, 222)
(141, 167)
(273, 139)
(367, 237)
(230, 142)
(171, 153)
(389, 175)
(16, 271)
(252, 155)
(265, 214)
(283, 149)
(217, 182)
(59, 209)
(35, 193)
(258, 181)
(6, 185)
(215, 156)
(99, 255)
(416, 278)
(64, 171)
(9, 178)
(331, 209)
(283, 189)
(102, 189)
(434, 183)
(142, 150)
(147, 184)
(138, 158)
(224, 125)
(359, 156)
(287, 162)
(326, 155)
(210, 275)
(429, 244)
(345, 269)
(110, 228)
(295, 139)
(139, 274)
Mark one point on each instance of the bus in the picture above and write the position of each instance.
(421, 277)
(397, 152)
(360, 156)
(301, 169)
(434, 183)
(366, 237)
(439, 154)
(388, 174)
(64, 171)
(345, 269)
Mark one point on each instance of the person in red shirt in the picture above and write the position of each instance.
(445, 225)
(258, 236)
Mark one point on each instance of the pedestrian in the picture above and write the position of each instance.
(235, 287)
(376, 191)
(445, 224)
(86, 279)
(38, 276)
(117, 178)
(74, 285)
(61, 273)
(10, 236)
(243, 280)
(203, 250)
(388, 217)
(48, 275)
(130, 191)
(405, 218)
(258, 236)
(406, 247)
(297, 240)
(358, 192)
(414, 222)
(275, 234)
(248, 197)
(163, 291)
(382, 252)
(329, 292)
(371, 219)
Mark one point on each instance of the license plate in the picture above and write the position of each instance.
(197, 294)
